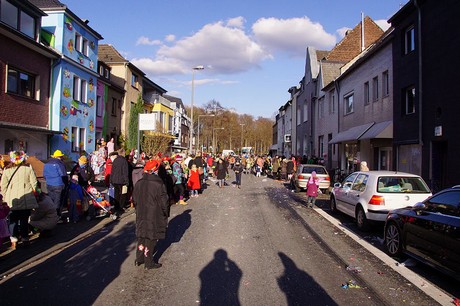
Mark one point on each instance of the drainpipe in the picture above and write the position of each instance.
(337, 90)
(420, 79)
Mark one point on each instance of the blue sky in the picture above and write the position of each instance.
(252, 51)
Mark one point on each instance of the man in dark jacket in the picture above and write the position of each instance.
(119, 178)
(151, 201)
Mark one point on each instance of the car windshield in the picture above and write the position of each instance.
(318, 170)
(401, 184)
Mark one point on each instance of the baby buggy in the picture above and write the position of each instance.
(98, 205)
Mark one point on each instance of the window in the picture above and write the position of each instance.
(19, 20)
(9, 14)
(80, 89)
(21, 83)
(375, 89)
(74, 139)
(366, 93)
(409, 44)
(321, 146)
(410, 100)
(331, 102)
(298, 114)
(385, 84)
(81, 138)
(78, 39)
(321, 108)
(78, 139)
(85, 47)
(107, 73)
(114, 107)
(348, 100)
(99, 106)
(305, 111)
(134, 80)
(360, 183)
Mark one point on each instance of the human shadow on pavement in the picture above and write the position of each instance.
(299, 287)
(77, 275)
(220, 281)
(176, 230)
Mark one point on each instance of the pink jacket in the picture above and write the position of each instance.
(312, 187)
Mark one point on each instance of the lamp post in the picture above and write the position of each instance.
(198, 142)
(241, 146)
(213, 139)
(191, 109)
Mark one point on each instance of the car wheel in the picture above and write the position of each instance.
(393, 243)
(333, 205)
(361, 220)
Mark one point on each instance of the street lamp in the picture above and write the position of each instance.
(191, 109)
(213, 139)
(198, 142)
(241, 147)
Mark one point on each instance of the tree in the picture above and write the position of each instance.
(133, 125)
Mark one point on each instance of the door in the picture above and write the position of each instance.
(385, 154)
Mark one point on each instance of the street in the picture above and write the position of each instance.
(258, 245)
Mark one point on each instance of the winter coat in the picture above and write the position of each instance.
(238, 168)
(193, 182)
(222, 170)
(85, 174)
(20, 192)
(120, 171)
(290, 167)
(312, 187)
(177, 172)
(151, 201)
(45, 216)
(55, 173)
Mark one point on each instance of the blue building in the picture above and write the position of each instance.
(74, 78)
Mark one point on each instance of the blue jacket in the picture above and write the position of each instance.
(55, 173)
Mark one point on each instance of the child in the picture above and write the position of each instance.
(75, 194)
(4, 231)
(312, 189)
(193, 183)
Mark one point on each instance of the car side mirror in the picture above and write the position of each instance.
(419, 207)
(337, 185)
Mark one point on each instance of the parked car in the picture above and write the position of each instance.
(300, 178)
(370, 195)
(429, 231)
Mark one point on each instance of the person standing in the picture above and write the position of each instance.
(151, 201)
(119, 178)
(312, 189)
(56, 179)
(18, 185)
(238, 168)
(194, 182)
(110, 146)
(222, 172)
(178, 185)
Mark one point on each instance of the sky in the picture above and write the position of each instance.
(252, 51)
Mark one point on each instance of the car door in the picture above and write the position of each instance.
(354, 195)
(434, 233)
(341, 193)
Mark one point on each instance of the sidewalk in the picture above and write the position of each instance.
(63, 235)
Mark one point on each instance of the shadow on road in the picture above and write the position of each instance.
(177, 227)
(299, 287)
(220, 281)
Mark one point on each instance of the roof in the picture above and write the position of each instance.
(108, 54)
(55, 5)
(330, 71)
(321, 54)
(350, 45)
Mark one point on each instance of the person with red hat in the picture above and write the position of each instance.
(152, 210)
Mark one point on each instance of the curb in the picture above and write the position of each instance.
(421, 283)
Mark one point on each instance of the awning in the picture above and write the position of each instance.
(24, 127)
(379, 130)
(351, 134)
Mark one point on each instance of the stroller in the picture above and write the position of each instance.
(99, 206)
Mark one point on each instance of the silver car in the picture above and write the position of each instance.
(300, 178)
(370, 195)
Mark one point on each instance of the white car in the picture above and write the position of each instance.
(370, 195)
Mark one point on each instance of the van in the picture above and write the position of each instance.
(228, 153)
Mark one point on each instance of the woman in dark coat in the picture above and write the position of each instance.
(151, 201)
(222, 172)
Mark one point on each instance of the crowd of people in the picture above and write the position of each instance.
(151, 183)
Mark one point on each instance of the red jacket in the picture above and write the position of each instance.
(193, 182)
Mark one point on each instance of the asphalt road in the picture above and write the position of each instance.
(258, 245)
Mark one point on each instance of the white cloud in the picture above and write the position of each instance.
(159, 67)
(291, 35)
(237, 22)
(383, 24)
(147, 41)
(170, 38)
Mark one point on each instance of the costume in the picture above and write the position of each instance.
(44, 217)
(312, 189)
(193, 183)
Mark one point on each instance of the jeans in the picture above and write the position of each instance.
(19, 223)
(238, 178)
(55, 193)
(312, 200)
